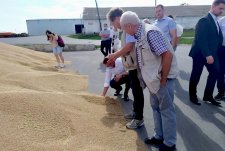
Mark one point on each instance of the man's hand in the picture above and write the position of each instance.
(163, 81)
(111, 60)
(117, 77)
(102, 94)
(210, 59)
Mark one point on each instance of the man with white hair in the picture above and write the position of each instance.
(158, 69)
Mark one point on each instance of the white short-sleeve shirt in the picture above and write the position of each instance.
(180, 30)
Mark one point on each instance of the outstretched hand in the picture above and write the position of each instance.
(111, 60)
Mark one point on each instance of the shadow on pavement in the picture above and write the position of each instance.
(194, 138)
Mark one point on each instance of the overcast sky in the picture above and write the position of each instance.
(14, 13)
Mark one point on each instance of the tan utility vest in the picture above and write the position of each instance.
(150, 63)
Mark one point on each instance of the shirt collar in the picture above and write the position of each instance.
(161, 19)
(137, 35)
(213, 16)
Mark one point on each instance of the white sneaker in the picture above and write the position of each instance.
(135, 124)
(62, 65)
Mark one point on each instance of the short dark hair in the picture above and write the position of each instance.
(113, 13)
(170, 16)
(217, 2)
(105, 60)
(160, 5)
(48, 32)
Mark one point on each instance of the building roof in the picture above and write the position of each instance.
(90, 13)
(53, 19)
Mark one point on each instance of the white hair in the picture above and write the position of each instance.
(129, 17)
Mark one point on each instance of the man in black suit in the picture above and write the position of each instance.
(204, 52)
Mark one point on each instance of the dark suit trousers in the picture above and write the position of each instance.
(137, 91)
(220, 80)
(117, 84)
(198, 64)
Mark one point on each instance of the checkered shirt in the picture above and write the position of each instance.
(156, 40)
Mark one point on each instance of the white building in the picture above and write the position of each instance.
(59, 26)
(187, 15)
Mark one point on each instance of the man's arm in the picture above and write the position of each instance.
(127, 48)
(105, 35)
(129, 45)
(166, 64)
(104, 91)
(201, 36)
(173, 34)
(158, 45)
(108, 76)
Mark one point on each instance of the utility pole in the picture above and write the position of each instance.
(155, 2)
(98, 15)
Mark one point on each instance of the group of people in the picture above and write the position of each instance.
(146, 59)
(172, 31)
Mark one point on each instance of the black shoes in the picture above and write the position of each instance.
(117, 92)
(195, 100)
(159, 143)
(153, 141)
(219, 97)
(126, 98)
(164, 147)
(212, 101)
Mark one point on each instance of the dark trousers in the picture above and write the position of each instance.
(106, 44)
(220, 80)
(197, 67)
(138, 95)
(117, 84)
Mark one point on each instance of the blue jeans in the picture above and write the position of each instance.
(164, 113)
(57, 50)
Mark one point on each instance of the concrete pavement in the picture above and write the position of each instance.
(199, 128)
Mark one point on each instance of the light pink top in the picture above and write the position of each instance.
(53, 41)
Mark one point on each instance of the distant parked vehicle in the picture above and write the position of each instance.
(10, 34)
(6, 34)
(23, 35)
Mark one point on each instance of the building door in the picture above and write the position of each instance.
(78, 28)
